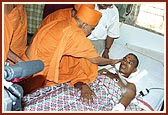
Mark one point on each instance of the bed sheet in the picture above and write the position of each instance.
(63, 98)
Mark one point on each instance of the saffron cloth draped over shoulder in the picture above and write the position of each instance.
(64, 49)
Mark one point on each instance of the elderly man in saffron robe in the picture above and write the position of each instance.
(67, 54)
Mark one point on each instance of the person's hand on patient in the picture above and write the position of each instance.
(87, 94)
(114, 61)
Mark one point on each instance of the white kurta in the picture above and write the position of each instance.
(108, 24)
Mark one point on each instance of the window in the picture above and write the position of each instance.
(149, 16)
(152, 16)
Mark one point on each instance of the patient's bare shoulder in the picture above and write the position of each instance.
(131, 88)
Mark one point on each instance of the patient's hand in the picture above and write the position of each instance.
(103, 72)
(87, 94)
(106, 73)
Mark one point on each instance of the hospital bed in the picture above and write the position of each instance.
(149, 80)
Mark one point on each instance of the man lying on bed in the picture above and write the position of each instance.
(106, 87)
(128, 65)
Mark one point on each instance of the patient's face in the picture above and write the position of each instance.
(128, 65)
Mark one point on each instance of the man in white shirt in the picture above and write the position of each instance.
(107, 29)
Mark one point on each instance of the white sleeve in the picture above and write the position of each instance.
(113, 30)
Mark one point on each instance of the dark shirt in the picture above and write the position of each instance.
(49, 8)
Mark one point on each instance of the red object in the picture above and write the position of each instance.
(16, 80)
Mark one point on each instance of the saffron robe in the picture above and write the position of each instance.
(61, 14)
(8, 32)
(65, 50)
(58, 15)
(18, 20)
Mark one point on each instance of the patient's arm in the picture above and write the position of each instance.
(129, 95)
(126, 98)
(107, 73)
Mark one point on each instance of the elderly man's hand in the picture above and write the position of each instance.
(114, 61)
(87, 94)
